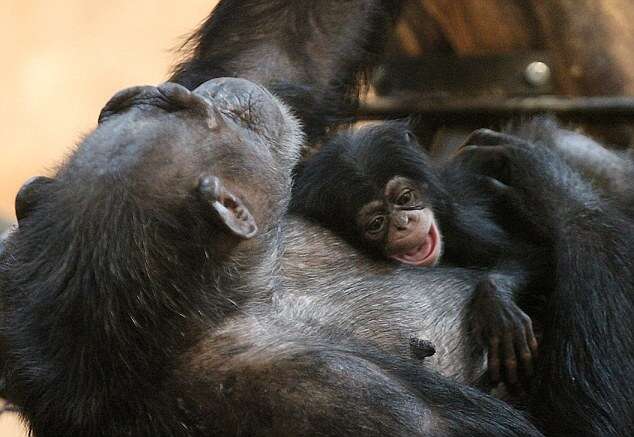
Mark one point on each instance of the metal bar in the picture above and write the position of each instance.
(616, 106)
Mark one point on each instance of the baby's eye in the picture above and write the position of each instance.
(376, 224)
(405, 197)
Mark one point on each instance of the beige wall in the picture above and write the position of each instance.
(11, 426)
(60, 62)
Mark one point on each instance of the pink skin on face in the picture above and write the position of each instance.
(426, 253)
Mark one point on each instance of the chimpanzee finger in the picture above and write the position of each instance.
(525, 355)
(493, 359)
(510, 360)
(530, 337)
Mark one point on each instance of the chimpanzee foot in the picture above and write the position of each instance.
(505, 330)
(420, 348)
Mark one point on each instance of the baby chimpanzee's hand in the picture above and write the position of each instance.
(500, 326)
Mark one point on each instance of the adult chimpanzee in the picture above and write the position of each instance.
(376, 188)
(185, 331)
(140, 293)
(321, 272)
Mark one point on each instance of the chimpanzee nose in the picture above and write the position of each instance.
(401, 220)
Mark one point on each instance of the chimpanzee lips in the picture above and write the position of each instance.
(426, 254)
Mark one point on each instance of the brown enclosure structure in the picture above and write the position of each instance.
(473, 63)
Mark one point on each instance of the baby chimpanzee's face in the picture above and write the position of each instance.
(402, 223)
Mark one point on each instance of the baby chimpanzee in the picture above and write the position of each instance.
(373, 187)
(377, 188)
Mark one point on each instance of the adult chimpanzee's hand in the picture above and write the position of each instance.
(533, 178)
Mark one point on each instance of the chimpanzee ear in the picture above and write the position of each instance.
(226, 207)
(29, 195)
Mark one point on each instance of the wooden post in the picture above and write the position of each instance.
(477, 27)
(592, 44)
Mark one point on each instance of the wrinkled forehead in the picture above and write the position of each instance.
(232, 121)
(219, 105)
(226, 95)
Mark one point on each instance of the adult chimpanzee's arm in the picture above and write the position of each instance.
(584, 382)
(310, 53)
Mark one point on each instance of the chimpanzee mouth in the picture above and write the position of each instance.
(427, 254)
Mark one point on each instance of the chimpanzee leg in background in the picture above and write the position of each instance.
(583, 382)
(312, 54)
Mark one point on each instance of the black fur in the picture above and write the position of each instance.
(127, 309)
(354, 167)
(584, 233)
(584, 384)
(314, 55)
